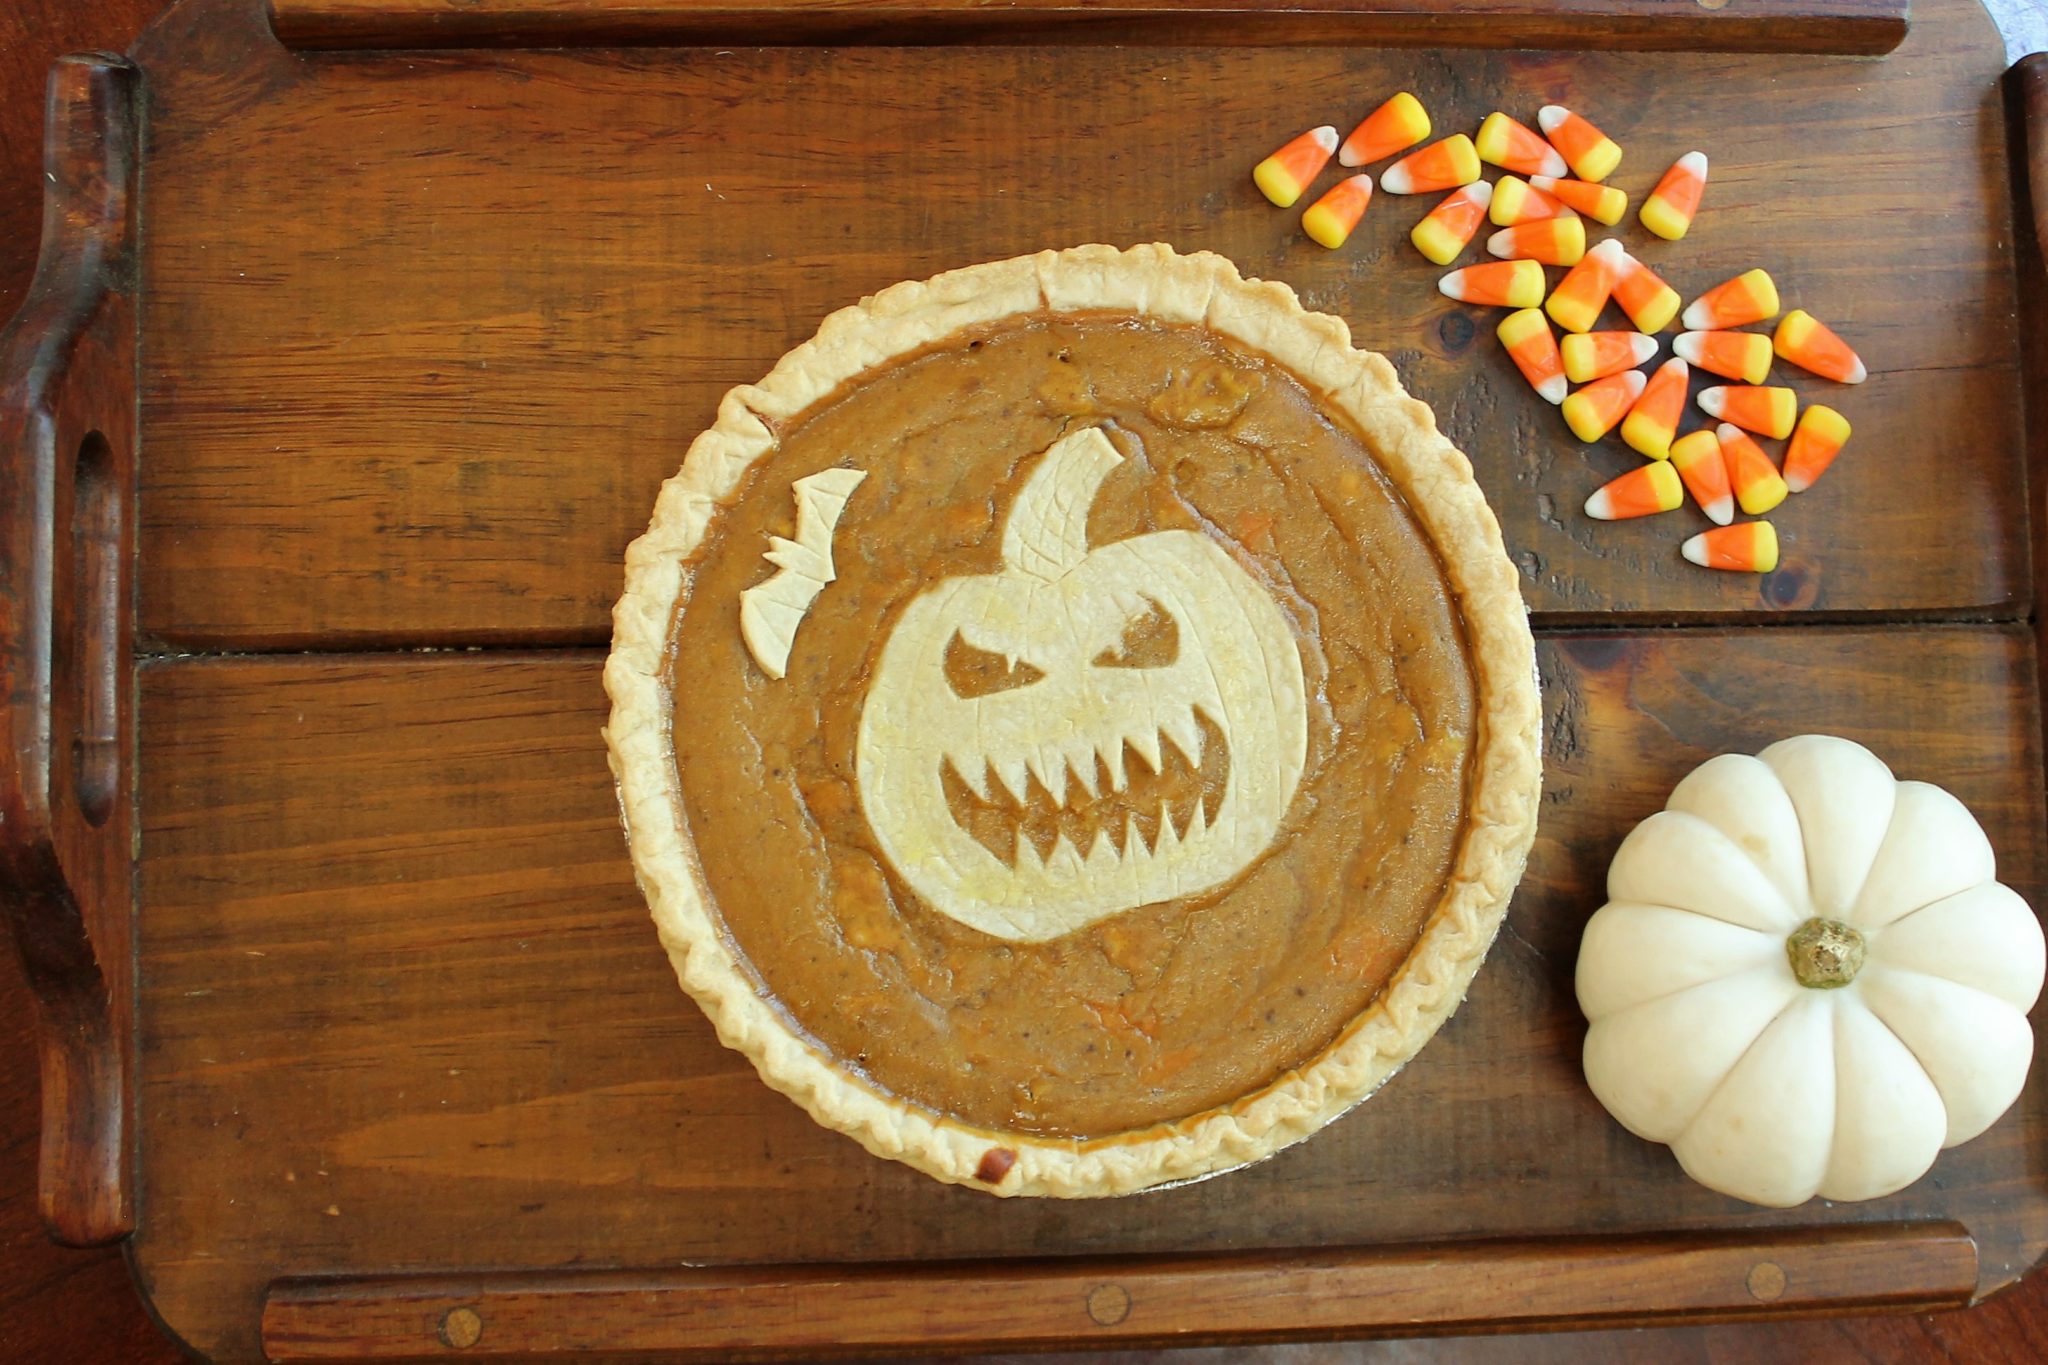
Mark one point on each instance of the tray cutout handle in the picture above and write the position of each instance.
(67, 498)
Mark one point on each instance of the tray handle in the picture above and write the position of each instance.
(1859, 26)
(2031, 75)
(67, 480)
(757, 1312)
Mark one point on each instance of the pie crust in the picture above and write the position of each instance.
(1435, 479)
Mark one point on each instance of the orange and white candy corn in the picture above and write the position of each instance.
(1439, 166)
(1749, 297)
(1331, 218)
(1595, 410)
(1749, 548)
(1514, 147)
(1282, 176)
(1758, 485)
(1649, 302)
(1653, 420)
(1809, 344)
(1576, 302)
(1517, 201)
(1595, 355)
(1601, 203)
(1816, 441)
(1697, 458)
(1641, 492)
(1395, 126)
(1496, 284)
(1553, 241)
(1765, 410)
(1446, 229)
(1593, 155)
(1530, 345)
(1669, 210)
(1732, 355)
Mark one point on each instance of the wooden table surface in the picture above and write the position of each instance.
(57, 1304)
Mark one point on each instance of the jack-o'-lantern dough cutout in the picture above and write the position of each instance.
(1085, 731)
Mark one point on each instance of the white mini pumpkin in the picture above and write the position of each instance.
(1807, 979)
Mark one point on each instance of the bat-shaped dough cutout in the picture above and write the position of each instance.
(771, 611)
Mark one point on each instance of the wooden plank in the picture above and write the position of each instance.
(713, 1314)
(1860, 26)
(416, 379)
(402, 1011)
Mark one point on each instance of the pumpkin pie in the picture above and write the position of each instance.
(1075, 722)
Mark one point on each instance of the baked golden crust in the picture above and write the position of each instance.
(1434, 478)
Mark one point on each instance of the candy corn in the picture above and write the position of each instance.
(1282, 176)
(1820, 436)
(1697, 458)
(1592, 154)
(1500, 284)
(1601, 203)
(1330, 219)
(1749, 297)
(1749, 548)
(1758, 485)
(1653, 421)
(1809, 344)
(1516, 201)
(1576, 302)
(1553, 241)
(1593, 411)
(1734, 355)
(1669, 209)
(1439, 166)
(1514, 147)
(1530, 345)
(1448, 227)
(1595, 355)
(1395, 126)
(1649, 302)
(1641, 492)
(1766, 411)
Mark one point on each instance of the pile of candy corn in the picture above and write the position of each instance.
(1553, 183)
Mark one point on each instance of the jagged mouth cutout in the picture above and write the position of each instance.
(1139, 797)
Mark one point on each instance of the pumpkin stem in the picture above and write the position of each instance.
(1047, 530)
(1825, 954)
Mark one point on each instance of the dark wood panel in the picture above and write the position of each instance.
(1866, 26)
(402, 1009)
(425, 334)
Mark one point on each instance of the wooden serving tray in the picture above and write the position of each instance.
(347, 377)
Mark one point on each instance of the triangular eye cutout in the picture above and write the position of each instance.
(1151, 639)
(972, 671)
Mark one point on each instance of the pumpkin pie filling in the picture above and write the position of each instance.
(1111, 605)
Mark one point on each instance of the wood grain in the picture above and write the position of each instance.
(402, 1011)
(1862, 26)
(46, 1292)
(715, 1314)
(415, 380)
(67, 477)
